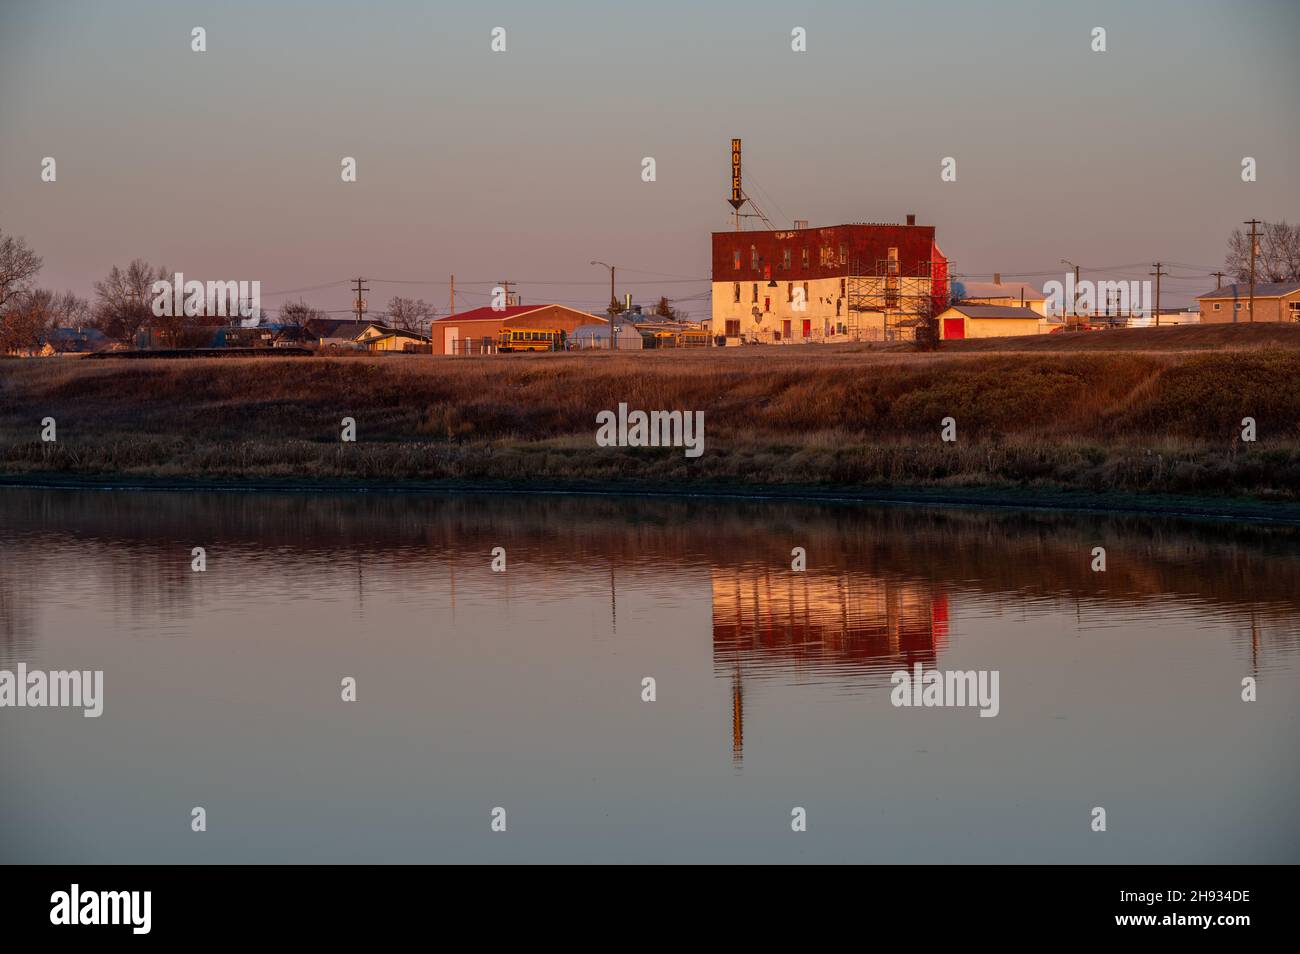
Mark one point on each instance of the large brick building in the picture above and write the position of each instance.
(842, 282)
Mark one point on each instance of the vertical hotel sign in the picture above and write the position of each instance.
(737, 199)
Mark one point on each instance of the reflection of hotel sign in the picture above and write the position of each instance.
(737, 200)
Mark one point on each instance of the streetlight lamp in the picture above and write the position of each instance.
(613, 301)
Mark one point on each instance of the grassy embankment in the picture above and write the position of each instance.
(1120, 422)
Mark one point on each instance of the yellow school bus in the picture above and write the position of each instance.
(680, 338)
(530, 339)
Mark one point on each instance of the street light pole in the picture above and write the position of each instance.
(1074, 305)
(613, 307)
(613, 299)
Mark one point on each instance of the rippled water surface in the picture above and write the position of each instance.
(523, 689)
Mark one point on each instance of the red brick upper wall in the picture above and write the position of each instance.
(866, 243)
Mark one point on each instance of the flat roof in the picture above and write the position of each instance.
(995, 311)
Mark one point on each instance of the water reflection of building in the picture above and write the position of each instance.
(838, 624)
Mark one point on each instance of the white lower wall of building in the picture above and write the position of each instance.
(769, 315)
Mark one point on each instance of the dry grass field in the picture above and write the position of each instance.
(1134, 420)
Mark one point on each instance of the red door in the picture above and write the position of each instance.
(807, 327)
(954, 328)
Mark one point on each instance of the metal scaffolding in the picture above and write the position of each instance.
(901, 302)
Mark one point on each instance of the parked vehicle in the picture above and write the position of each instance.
(530, 339)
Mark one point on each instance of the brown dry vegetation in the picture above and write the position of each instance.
(1169, 338)
(1134, 421)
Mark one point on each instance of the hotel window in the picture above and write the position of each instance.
(841, 288)
(753, 257)
(737, 292)
(1217, 306)
(733, 328)
(805, 258)
(785, 259)
(735, 259)
(755, 293)
(844, 254)
(767, 304)
(789, 291)
(805, 293)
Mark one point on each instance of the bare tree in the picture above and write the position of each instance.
(124, 300)
(18, 266)
(26, 319)
(47, 311)
(299, 313)
(68, 310)
(31, 317)
(1278, 259)
(409, 314)
(926, 314)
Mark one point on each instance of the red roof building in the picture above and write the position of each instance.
(475, 331)
(841, 282)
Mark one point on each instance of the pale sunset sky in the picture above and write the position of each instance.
(525, 165)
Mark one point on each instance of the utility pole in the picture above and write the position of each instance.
(1157, 273)
(453, 295)
(1253, 248)
(360, 303)
(1218, 280)
(505, 287)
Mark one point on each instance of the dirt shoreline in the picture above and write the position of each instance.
(1000, 498)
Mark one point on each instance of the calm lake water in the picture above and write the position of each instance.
(523, 689)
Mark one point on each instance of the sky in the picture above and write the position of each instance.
(526, 164)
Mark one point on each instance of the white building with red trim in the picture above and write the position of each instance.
(842, 282)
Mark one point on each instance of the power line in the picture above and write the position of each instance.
(548, 281)
(295, 291)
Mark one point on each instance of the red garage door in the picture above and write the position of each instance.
(954, 328)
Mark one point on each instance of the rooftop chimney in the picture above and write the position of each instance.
(997, 278)
(911, 219)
